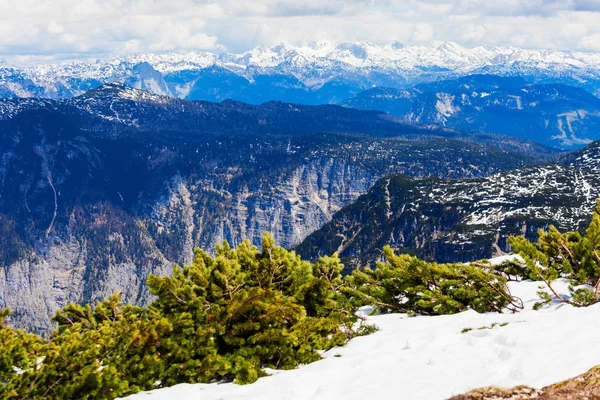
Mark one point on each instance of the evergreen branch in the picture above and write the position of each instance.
(558, 296)
(51, 387)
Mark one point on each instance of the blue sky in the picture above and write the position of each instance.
(45, 30)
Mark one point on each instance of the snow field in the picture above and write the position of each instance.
(431, 358)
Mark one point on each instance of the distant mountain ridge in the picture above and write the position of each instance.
(321, 72)
(553, 114)
(145, 111)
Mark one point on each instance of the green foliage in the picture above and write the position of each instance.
(406, 284)
(246, 309)
(513, 270)
(225, 317)
(19, 352)
(102, 353)
(492, 326)
(570, 255)
(545, 298)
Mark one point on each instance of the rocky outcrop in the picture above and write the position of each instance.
(291, 207)
(585, 386)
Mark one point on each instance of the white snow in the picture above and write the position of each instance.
(444, 106)
(354, 54)
(319, 62)
(501, 259)
(430, 358)
(493, 199)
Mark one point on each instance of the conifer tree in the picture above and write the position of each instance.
(406, 284)
(570, 255)
(19, 353)
(246, 309)
(99, 353)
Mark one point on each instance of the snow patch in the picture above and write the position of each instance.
(433, 358)
(444, 105)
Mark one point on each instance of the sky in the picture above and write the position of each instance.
(33, 31)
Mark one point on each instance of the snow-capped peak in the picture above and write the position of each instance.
(321, 44)
(395, 45)
(392, 55)
(313, 64)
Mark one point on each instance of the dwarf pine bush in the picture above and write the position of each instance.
(226, 318)
(570, 255)
(407, 284)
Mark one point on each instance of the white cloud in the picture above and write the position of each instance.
(69, 38)
(423, 32)
(573, 31)
(473, 33)
(63, 29)
(591, 42)
(53, 27)
(131, 46)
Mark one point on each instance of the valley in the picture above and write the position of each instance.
(100, 191)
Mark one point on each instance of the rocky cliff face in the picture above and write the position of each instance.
(99, 192)
(461, 220)
(92, 257)
(290, 207)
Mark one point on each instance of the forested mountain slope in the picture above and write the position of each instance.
(553, 114)
(461, 220)
(101, 190)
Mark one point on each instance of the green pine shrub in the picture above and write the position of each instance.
(570, 255)
(19, 352)
(407, 284)
(110, 351)
(226, 318)
(513, 270)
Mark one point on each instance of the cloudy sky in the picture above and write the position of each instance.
(44, 30)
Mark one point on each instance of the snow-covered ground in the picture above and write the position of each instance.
(430, 358)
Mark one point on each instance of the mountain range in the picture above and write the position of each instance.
(461, 220)
(554, 114)
(98, 191)
(321, 72)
